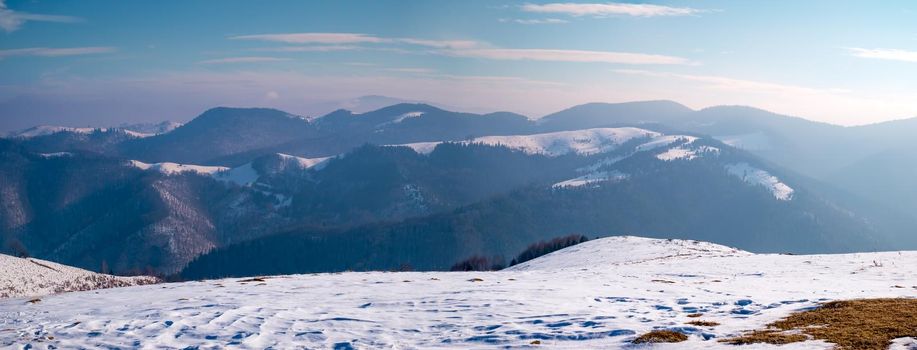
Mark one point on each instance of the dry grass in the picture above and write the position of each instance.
(861, 324)
(661, 336)
(700, 323)
(768, 336)
(695, 315)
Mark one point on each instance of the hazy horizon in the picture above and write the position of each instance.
(107, 63)
(322, 108)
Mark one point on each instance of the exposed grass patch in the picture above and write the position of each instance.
(861, 324)
(700, 323)
(768, 336)
(695, 315)
(661, 336)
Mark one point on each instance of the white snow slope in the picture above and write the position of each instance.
(169, 168)
(43, 130)
(27, 277)
(759, 177)
(599, 294)
(583, 142)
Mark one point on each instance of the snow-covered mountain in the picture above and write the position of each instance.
(455, 199)
(236, 182)
(28, 277)
(600, 294)
(44, 130)
(134, 130)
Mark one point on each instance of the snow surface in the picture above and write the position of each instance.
(305, 163)
(400, 118)
(44, 130)
(242, 175)
(246, 175)
(591, 178)
(760, 177)
(27, 277)
(686, 153)
(599, 294)
(582, 142)
(135, 130)
(424, 148)
(55, 155)
(665, 140)
(169, 168)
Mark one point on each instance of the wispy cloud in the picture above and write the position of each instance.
(568, 56)
(414, 70)
(55, 52)
(246, 59)
(534, 21)
(352, 39)
(610, 9)
(11, 21)
(454, 48)
(313, 38)
(732, 84)
(440, 44)
(313, 48)
(885, 54)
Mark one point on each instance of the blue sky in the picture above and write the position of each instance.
(106, 62)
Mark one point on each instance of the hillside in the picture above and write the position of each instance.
(599, 294)
(415, 185)
(661, 186)
(27, 277)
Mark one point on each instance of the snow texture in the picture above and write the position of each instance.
(686, 153)
(424, 148)
(44, 130)
(665, 140)
(760, 177)
(599, 294)
(402, 118)
(582, 142)
(169, 168)
(27, 277)
(243, 175)
(591, 178)
(305, 163)
(55, 155)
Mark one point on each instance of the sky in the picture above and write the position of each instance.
(102, 63)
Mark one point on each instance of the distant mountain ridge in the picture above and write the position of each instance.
(416, 184)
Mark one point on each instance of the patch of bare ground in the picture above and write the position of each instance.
(701, 323)
(860, 324)
(767, 336)
(661, 336)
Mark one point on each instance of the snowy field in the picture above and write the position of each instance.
(27, 277)
(599, 294)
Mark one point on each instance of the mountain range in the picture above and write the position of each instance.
(247, 191)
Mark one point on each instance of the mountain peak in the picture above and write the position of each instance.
(611, 114)
(404, 108)
(247, 112)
